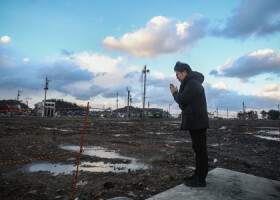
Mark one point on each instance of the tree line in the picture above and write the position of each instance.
(270, 115)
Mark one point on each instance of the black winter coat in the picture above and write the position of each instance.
(192, 101)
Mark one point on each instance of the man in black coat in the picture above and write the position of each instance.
(192, 101)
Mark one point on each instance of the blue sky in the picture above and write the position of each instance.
(90, 50)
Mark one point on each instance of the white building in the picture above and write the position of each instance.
(210, 115)
(49, 109)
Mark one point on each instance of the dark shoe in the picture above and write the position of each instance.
(195, 183)
(189, 178)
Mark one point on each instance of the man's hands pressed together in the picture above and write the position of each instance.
(173, 88)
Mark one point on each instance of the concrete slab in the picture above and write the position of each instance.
(224, 184)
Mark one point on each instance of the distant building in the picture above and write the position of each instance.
(49, 109)
(210, 115)
(10, 110)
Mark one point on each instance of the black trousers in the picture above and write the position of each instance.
(200, 149)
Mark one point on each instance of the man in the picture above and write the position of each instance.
(192, 102)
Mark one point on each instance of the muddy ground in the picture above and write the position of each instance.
(158, 166)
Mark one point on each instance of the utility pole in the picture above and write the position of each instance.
(227, 113)
(117, 100)
(128, 96)
(46, 88)
(144, 71)
(19, 91)
(148, 104)
(244, 110)
(217, 110)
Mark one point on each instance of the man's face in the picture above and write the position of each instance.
(181, 75)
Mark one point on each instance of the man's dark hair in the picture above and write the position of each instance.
(180, 67)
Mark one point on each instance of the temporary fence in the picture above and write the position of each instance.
(81, 150)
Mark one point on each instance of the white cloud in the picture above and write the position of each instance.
(26, 59)
(96, 63)
(220, 85)
(160, 36)
(271, 91)
(271, 87)
(252, 64)
(227, 64)
(5, 39)
(108, 71)
(272, 95)
(262, 52)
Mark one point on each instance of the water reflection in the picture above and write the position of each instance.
(100, 152)
(268, 138)
(96, 151)
(57, 169)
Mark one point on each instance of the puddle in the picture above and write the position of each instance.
(268, 138)
(82, 183)
(268, 132)
(191, 167)
(159, 133)
(177, 141)
(119, 135)
(215, 145)
(55, 169)
(98, 152)
(108, 167)
(67, 169)
(64, 130)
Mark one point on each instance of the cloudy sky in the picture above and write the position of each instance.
(92, 50)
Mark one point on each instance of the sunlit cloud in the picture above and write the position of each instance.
(96, 63)
(220, 85)
(160, 36)
(271, 87)
(5, 39)
(26, 59)
(250, 65)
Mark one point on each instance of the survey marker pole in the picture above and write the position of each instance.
(81, 150)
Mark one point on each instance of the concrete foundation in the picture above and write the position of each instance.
(224, 184)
